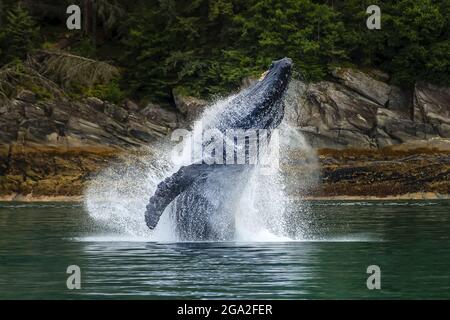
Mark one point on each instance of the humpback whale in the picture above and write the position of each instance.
(202, 197)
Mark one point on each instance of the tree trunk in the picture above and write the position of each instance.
(94, 23)
(90, 20)
(87, 8)
(1, 12)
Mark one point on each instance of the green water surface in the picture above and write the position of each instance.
(408, 240)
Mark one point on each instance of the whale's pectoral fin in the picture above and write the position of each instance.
(170, 188)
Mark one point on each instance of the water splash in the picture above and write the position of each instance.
(116, 198)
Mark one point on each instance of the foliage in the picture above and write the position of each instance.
(18, 74)
(85, 48)
(51, 73)
(110, 91)
(206, 47)
(411, 45)
(19, 35)
(70, 70)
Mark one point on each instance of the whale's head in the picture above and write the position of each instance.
(265, 97)
(277, 77)
(261, 105)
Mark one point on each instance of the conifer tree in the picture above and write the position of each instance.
(19, 35)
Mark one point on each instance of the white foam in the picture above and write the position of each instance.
(261, 237)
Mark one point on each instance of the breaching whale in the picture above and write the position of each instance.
(202, 197)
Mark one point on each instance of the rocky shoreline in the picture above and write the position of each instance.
(408, 196)
(373, 140)
(388, 173)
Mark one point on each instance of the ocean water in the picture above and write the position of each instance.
(408, 240)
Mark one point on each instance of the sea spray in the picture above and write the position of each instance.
(116, 198)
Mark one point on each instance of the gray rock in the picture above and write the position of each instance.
(26, 96)
(83, 126)
(159, 114)
(116, 112)
(33, 111)
(189, 107)
(121, 114)
(95, 103)
(355, 110)
(330, 106)
(37, 130)
(444, 130)
(397, 128)
(58, 114)
(362, 112)
(317, 140)
(383, 139)
(379, 75)
(400, 101)
(432, 105)
(131, 106)
(76, 123)
(363, 84)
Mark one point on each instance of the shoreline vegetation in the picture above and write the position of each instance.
(156, 49)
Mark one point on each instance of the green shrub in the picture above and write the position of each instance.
(109, 92)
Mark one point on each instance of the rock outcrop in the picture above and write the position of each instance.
(158, 114)
(362, 110)
(353, 109)
(90, 122)
(189, 107)
(392, 141)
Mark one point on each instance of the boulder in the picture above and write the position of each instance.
(158, 114)
(33, 111)
(401, 129)
(363, 84)
(26, 96)
(400, 101)
(341, 117)
(95, 103)
(360, 111)
(432, 106)
(116, 112)
(131, 106)
(189, 107)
